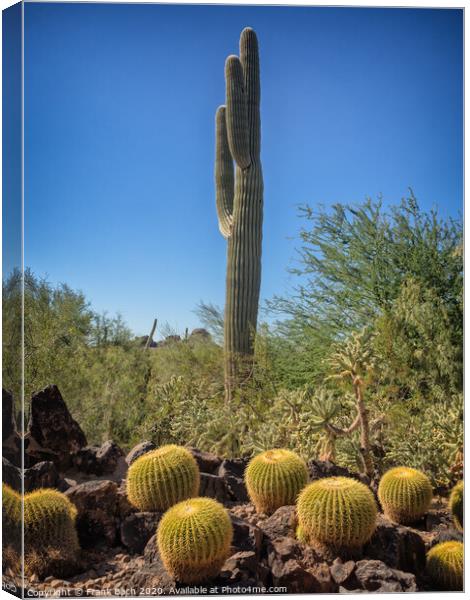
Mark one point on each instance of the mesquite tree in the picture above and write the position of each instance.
(239, 199)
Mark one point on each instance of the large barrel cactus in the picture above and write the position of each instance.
(274, 478)
(194, 539)
(336, 513)
(444, 564)
(405, 494)
(162, 477)
(456, 504)
(50, 537)
(239, 198)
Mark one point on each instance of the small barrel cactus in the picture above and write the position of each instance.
(11, 517)
(337, 513)
(456, 504)
(274, 478)
(444, 565)
(50, 537)
(161, 478)
(194, 539)
(405, 494)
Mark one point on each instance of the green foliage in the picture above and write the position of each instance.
(161, 478)
(336, 512)
(49, 524)
(456, 504)
(274, 478)
(444, 564)
(194, 539)
(405, 494)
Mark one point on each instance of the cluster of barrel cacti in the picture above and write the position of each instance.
(49, 526)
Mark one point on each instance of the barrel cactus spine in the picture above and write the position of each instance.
(274, 478)
(405, 494)
(161, 478)
(194, 539)
(336, 513)
(239, 201)
(444, 565)
(456, 504)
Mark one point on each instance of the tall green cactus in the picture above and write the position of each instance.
(239, 198)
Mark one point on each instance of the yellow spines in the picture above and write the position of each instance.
(161, 478)
(11, 517)
(194, 539)
(49, 521)
(274, 478)
(336, 512)
(444, 564)
(456, 504)
(405, 494)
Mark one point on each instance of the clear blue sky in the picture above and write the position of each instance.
(119, 142)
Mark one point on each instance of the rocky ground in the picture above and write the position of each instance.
(119, 554)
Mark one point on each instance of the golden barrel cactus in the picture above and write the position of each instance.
(162, 477)
(274, 478)
(336, 512)
(405, 494)
(444, 565)
(456, 504)
(194, 539)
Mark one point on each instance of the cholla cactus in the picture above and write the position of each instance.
(274, 478)
(444, 564)
(354, 361)
(194, 539)
(337, 513)
(456, 504)
(405, 494)
(162, 477)
(240, 203)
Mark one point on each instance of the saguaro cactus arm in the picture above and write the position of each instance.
(224, 176)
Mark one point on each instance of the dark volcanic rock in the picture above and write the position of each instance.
(214, 486)
(318, 469)
(240, 567)
(97, 504)
(11, 440)
(139, 450)
(398, 546)
(341, 571)
(207, 462)
(52, 432)
(290, 567)
(153, 574)
(376, 576)
(282, 522)
(42, 475)
(138, 528)
(233, 471)
(11, 475)
(99, 460)
(246, 536)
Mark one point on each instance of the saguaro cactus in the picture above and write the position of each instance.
(239, 197)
